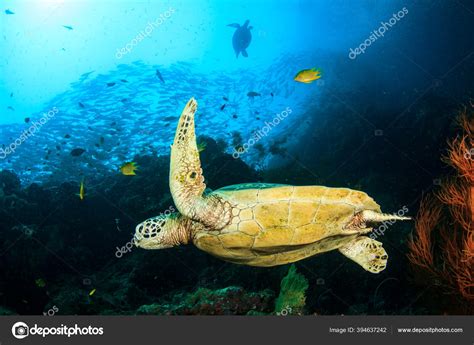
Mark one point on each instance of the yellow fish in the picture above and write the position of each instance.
(92, 292)
(307, 76)
(82, 192)
(129, 168)
(201, 146)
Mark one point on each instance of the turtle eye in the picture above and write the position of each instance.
(192, 175)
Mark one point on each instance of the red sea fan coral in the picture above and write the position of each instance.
(443, 244)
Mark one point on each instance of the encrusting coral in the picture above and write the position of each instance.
(443, 245)
(232, 300)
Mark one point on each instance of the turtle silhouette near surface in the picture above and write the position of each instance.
(260, 224)
(241, 39)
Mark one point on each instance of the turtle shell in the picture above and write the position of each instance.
(278, 224)
(241, 39)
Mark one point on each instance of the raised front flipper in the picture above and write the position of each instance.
(186, 178)
(366, 252)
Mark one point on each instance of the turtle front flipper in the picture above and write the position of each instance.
(366, 252)
(186, 178)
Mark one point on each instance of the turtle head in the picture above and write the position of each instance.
(164, 231)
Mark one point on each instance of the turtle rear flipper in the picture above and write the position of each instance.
(244, 53)
(366, 252)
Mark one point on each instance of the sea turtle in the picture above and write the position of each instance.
(260, 224)
(241, 39)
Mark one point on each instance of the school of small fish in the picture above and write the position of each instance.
(104, 120)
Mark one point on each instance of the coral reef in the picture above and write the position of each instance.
(234, 300)
(231, 300)
(292, 297)
(443, 245)
(5, 311)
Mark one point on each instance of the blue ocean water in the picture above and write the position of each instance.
(97, 63)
